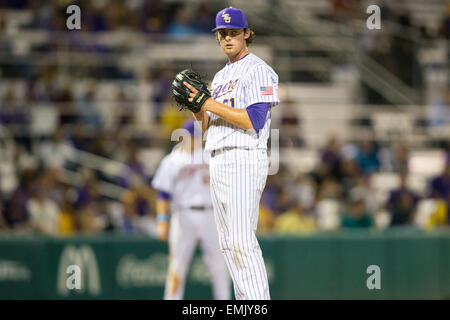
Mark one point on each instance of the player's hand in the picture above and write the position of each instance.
(162, 230)
(193, 91)
(193, 94)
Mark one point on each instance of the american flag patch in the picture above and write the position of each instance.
(266, 91)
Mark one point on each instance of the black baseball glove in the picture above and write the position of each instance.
(181, 92)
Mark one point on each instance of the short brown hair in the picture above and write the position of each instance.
(251, 37)
(247, 41)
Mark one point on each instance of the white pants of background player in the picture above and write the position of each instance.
(238, 178)
(187, 229)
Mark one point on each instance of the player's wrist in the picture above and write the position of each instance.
(207, 104)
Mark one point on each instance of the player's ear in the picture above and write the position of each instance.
(247, 33)
(217, 37)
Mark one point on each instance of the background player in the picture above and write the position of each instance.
(238, 118)
(183, 187)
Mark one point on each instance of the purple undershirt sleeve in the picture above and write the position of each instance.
(164, 195)
(257, 113)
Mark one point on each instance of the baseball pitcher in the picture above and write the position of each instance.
(236, 114)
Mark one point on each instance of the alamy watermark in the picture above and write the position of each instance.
(78, 271)
(374, 280)
(73, 22)
(74, 279)
(374, 20)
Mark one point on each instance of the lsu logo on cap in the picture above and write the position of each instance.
(226, 17)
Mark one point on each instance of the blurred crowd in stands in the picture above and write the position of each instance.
(337, 194)
(38, 195)
(175, 18)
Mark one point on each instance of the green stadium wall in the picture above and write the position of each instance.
(413, 265)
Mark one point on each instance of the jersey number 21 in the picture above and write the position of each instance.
(230, 100)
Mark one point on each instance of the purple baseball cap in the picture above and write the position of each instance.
(230, 18)
(189, 126)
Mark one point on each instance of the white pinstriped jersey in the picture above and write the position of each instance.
(240, 84)
(186, 180)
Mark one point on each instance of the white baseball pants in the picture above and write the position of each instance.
(187, 229)
(238, 178)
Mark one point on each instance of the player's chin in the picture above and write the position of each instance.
(229, 51)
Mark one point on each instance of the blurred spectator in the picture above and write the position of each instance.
(118, 15)
(329, 189)
(356, 214)
(293, 136)
(94, 17)
(205, 17)
(303, 190)
(328, 205)
(438, 113)
(3, 224)
(139, 207)
(365, 190)
(87, 111)
(130, 223)
(401, 156)
(92, 216)
(11, 112)
(444, 29)
(439, 217)
(367, 157)
(133, 167)
(120, 141)
(56, 151)
(138, 199)
(79, 137)
(440, 185)
(295, 221)
(89, 191)
(98, 145)
(182, 24)
(266, 220)
(17, 215)
(402, 203)
(90, 205)
(124, 109)
(283, 201)
(153, 17)
(68, 224)
(161, 80)
(56, 188)
(269, 195)
(171, 119)
(44, 212)
(350, 172)
(331, 157)
(321, 173)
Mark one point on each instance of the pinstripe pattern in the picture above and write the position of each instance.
(236, 194)
(241, 80)
(188, 186)
(238, 176)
